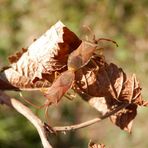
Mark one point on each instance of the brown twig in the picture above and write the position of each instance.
(40, 126)
(88, 123)
(25, 111)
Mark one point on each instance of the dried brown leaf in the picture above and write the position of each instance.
(106, 80)
(124, 118)
(16, 57)
(46, 55)
(100, 104)
(106, 87)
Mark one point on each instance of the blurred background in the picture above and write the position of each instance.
(125, 21)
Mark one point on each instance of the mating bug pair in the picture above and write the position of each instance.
(76, 60)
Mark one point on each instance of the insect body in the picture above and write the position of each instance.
(76, 60)
(63, 83)
(81, 56)
(59, 87)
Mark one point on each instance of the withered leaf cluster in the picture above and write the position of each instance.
(103, 85)
(106, 87)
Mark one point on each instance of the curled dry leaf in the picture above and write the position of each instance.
(16, 57)
(105, 87)
(124, 118)
(46, 55)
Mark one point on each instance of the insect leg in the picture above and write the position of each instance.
(29, 102)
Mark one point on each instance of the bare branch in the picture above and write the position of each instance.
(25, 111)
(88, 123)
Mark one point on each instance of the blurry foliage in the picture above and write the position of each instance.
(125, 21)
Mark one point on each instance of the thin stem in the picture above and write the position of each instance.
(88, 123)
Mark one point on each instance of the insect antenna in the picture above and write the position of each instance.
(94, 40)
(106, 39)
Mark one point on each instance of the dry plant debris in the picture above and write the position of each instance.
(103, 85)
